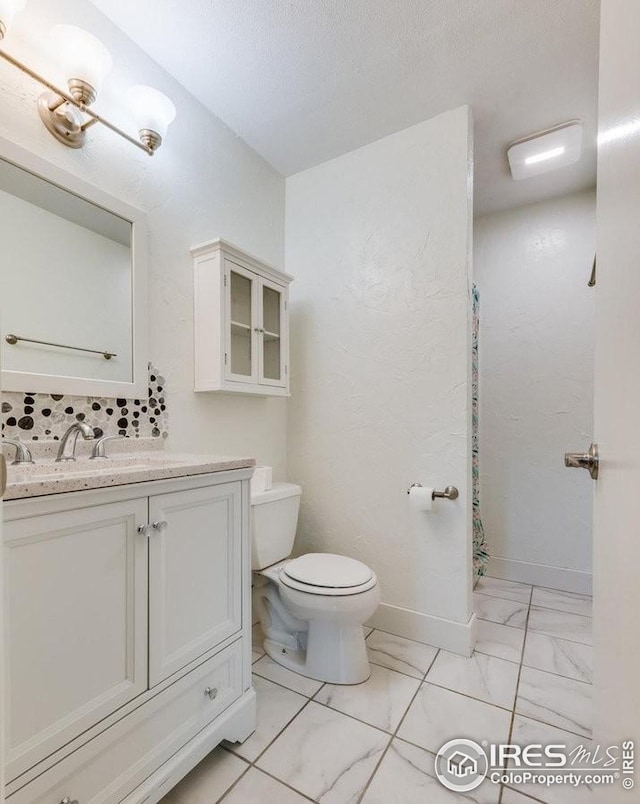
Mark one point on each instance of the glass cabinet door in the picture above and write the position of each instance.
(241, 356)
(272, 362)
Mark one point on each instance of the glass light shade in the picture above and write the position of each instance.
(81, 55)
(151, 109)
(8, 10)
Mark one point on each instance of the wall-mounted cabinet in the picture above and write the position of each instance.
(241, 322)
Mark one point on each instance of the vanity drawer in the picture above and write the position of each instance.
(110, 766)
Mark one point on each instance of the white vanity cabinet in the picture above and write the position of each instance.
(127, 636)
(241, 322)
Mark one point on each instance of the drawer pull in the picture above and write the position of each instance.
(159, 525)
(143, 530)
(210, 692)
(68, 800)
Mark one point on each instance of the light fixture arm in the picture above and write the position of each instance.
(66, 97)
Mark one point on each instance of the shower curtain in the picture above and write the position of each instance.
(480, 550)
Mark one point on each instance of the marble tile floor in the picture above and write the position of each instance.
(530, 678)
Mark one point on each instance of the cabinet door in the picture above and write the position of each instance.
(195, 579)
(273, 328)
(241, 352)
(75, 624)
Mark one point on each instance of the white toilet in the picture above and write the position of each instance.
(311, 608)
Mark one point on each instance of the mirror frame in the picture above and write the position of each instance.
(85, 386)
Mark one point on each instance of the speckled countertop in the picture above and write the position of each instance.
(130, 462)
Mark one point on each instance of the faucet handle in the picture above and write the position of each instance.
(98, 450)
(23, 453)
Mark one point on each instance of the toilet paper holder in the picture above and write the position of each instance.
(450, 493)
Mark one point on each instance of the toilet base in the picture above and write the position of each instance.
(318, 636)
(345, 662)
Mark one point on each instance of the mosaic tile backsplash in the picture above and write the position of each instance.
(46, 417)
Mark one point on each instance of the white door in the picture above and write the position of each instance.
(617, 385)
(195, 554)
(75, 597)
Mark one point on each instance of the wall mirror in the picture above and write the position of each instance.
(72, 284)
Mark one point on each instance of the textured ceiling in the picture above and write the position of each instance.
(303, 81)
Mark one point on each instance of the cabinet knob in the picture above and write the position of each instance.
(154, 527)
(69, 800)
(211, 693)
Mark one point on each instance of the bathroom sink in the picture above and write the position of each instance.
(47, 476)
(85, 465)
(52, 468)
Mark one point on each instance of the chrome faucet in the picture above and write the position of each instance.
(67, 451)
(23, 454)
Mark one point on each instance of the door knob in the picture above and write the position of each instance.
(584, 460)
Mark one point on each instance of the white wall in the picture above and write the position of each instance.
(378, 241)
(532, 265)
(203, 183)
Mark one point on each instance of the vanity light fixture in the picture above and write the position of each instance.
(547, 150)
(153, 113)
(8, 10)
(85, 60)
(67, 114)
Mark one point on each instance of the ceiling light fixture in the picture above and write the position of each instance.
(533, 160)
(547, 150)
(86, 62)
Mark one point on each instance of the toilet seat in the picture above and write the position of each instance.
(327, 574)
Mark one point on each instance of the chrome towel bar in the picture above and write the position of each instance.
(14, 339)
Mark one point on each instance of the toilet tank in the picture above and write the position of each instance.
(274, 518)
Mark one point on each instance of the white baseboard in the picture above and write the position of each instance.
(447, 634)
(566, 580)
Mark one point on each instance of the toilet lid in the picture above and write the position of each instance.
(328, 570)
